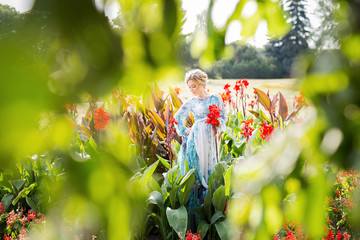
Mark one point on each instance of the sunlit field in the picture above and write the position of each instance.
(286, 86)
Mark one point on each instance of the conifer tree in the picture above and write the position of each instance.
(295, 42)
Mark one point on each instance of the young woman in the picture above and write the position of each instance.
(198, 147)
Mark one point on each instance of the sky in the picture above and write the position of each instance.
(222, 10)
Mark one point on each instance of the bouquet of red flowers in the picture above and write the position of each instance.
(212, 119)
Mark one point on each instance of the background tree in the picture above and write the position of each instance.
(295, 42)
(326, 35)
(247, 62)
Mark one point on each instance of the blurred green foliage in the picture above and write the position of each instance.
(64, 49)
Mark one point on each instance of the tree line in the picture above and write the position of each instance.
(276, 58)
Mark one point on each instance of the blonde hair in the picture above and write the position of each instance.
(196, 75)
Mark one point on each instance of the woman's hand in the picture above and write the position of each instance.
(187, 131)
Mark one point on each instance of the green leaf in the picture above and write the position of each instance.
(141, 161)
(188, 174)
(218, 173)
(219, 199)
(228, 181)
(153, 184)
(7, 199)
(207, 203)
(238, 148)
(186, 185)
(31, 203)
(23, 193)
(227, 158)
(172, 177)
(222, 230)
(256, 114)
(178, 220)
(148, 174)
(203, 228)
(216, 217)
(156, 199)
(164, 162)
(89, 149)
(19, 183)
(174, 196)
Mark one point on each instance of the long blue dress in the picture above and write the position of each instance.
(198, 148)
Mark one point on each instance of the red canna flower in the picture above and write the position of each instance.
(31, 215)
(337, 193)
(214, 115)
(338, 236)
(245, 82)
(2, 208)
(101, 118)
(265, 131)
(252, 104)
(23, 235)
(212, 119)
(224, 97)
(71, 108)
(247, 130)
(173, 121)
(330, 235)
(237, 85)
(192, 236)
(346, 236)
(8, 238)
(227, 86)
(177, 90)
(290, 235)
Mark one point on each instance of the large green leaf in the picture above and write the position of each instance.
(228, 181)
(216, 217)
(187, 176)
(164, 162)
(178, 220)
(23, 193)
(31, 203)
(203, 228)
(148, 173)
(238, 148)
(186, 185)
(7, 199)
(156, 199)
(207, 203)
(218, 199)
(218, 173)
(90, 148)
(222, 230)
(174, 196)
(153, 184)
(172, 178)
(18, 183)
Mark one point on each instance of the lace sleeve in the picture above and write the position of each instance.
(180, 117)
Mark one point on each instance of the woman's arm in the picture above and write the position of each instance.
(180, 117)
